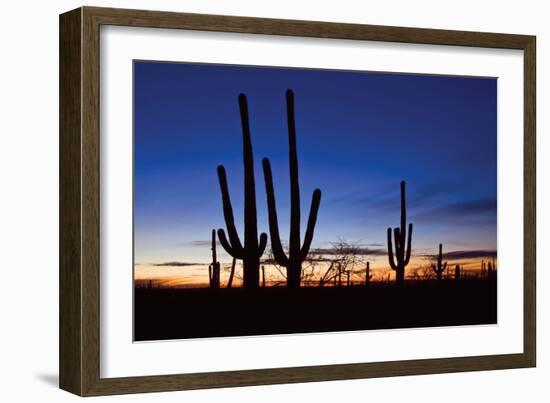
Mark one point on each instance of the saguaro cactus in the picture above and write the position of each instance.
(252, 249)
(402, 254)
(368, 276)
(296, 253)
(214, 268)
(439, 268)
(458, 271)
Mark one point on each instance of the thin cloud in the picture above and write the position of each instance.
(357, 251)
(471, 208)
(416, 197)
(203, 242)
(176, 264)
(467, 254)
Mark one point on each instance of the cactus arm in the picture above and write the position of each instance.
(390, 251)
(236, 253)
(232, 273)
(444, 267)
(228, 212)
(262, 245)
(408, 257)
(276, 246)
(315, 202)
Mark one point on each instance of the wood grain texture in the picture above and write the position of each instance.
(530, 203)
(90, 202)
(70, 230)
(80, 196)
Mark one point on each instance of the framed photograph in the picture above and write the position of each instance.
(249, 201)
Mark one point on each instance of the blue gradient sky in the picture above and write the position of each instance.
(359, 134)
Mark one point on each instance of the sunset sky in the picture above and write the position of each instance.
(359, 134)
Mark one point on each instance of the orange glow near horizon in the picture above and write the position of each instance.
(196, 275)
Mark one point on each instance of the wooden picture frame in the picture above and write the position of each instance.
(79, 201)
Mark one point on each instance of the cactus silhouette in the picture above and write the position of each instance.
(490, 271)
(214, 268)
(252, 249)
(457, 272)
(439, 268)
(368, 276)
(297, 253)
(402, 254)
(231, 273)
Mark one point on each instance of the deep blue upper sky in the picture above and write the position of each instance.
(359, 134)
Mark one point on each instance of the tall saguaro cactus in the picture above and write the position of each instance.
(252, 249)
(402, 253)
(214, 268)
(439, 268)
(297, 252)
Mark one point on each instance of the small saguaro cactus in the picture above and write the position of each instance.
(368, 276)
(252, 249)
(402, 254)
(492, 270)
(297, 253)
(439, 268)
(214, 267)
(263, 276)
(458, 273)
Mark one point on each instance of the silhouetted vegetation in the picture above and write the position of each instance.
(312, 290)
(297, 253)
(439, 267)
(231, 273)
(457, 272)
(402, 254)
(214, 267)
(252, 249)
